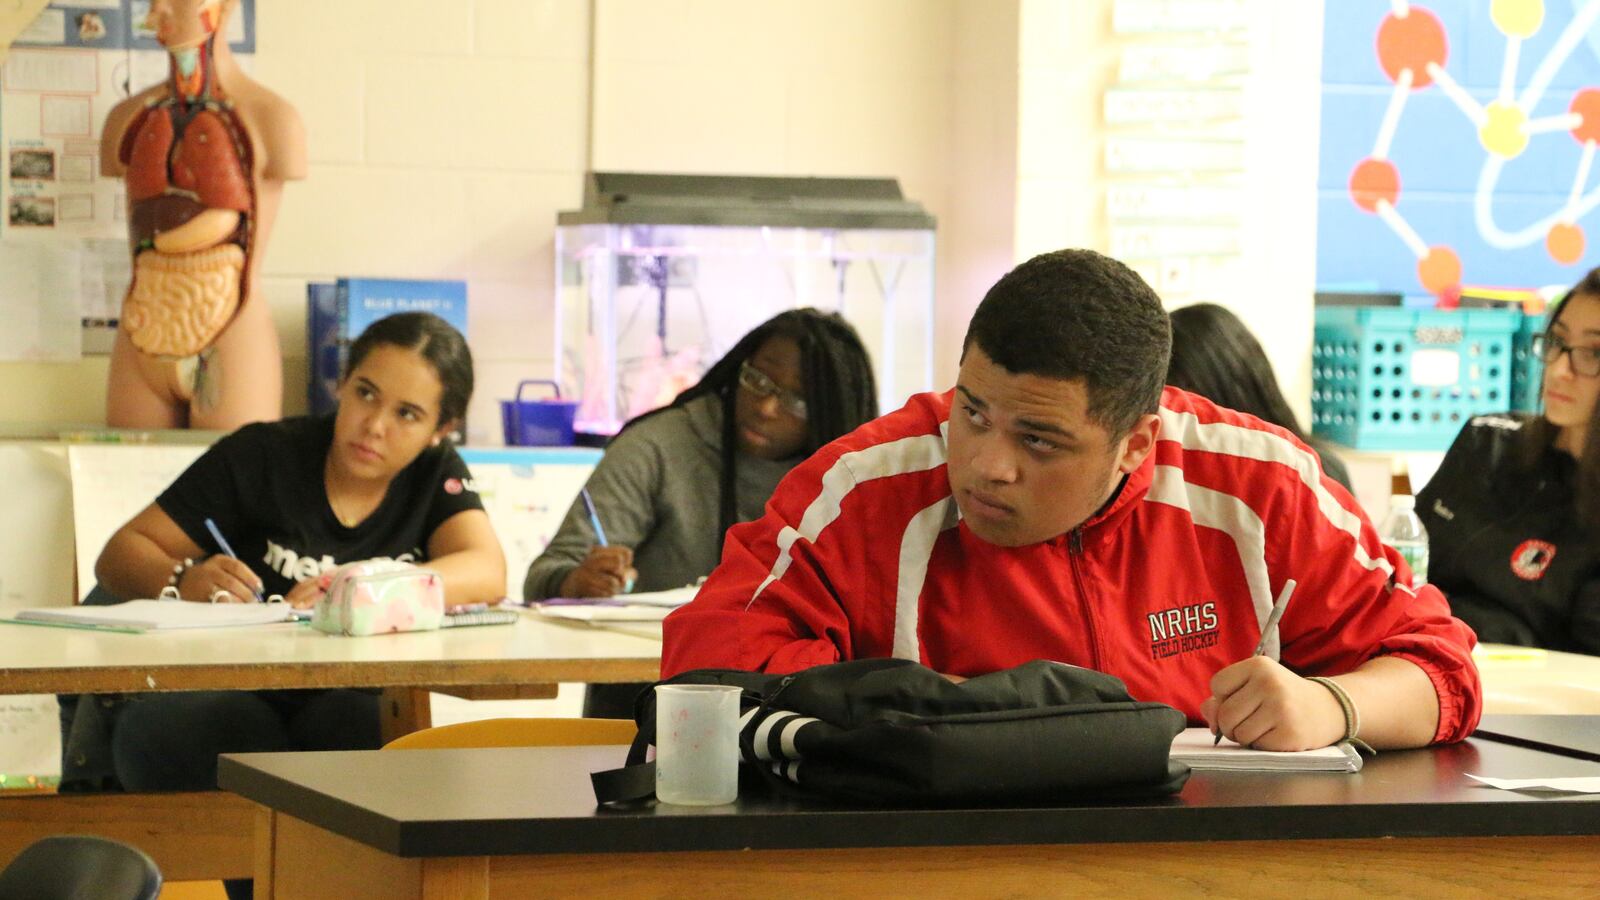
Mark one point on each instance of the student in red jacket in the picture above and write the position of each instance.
(1060, 504)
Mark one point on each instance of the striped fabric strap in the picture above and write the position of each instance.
(771, 734)
(1352, 716)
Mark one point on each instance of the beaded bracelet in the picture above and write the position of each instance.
(1352, 716)
(177, 573)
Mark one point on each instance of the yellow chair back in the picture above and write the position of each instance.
(546, 732)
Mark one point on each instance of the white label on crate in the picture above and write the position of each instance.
(1435, 368)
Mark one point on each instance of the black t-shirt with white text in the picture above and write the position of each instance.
(262, 486)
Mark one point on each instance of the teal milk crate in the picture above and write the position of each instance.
(1388, 378)
(1527, 370)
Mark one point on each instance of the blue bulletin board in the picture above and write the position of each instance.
(1459, 143)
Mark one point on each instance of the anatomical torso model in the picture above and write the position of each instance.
(204, 155)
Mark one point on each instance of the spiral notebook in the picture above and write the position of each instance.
(1194, 746)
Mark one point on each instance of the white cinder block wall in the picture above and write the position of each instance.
(445, 136)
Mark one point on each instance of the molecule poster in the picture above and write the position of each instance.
(1458, 145)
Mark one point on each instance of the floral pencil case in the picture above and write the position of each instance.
(379, 596)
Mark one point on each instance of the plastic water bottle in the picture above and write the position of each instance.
(1402, 529)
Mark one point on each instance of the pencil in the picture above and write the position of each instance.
(1267, 631)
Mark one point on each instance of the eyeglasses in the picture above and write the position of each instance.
(756, 382)
(1585, 361)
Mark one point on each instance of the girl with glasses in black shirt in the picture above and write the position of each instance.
(1513, 514)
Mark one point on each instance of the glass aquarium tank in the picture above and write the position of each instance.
(657, 276)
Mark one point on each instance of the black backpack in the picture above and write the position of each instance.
(896, 731)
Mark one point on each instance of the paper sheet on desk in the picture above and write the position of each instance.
(671, 598)
(1559, 785)
(1194, 746)
(646, 606)
(601, 610)
(150, 615)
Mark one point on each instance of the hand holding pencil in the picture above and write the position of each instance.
(1259, 703)
(607, 570)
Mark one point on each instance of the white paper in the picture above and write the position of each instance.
(111, 483)
(30, 736)
(602, 611)
(36, 518)
(40, 303)
(149, 615)
(1561, 785)
(1194, 746)
(526, 500)
(670, 598)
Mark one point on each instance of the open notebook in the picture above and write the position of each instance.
(155, 615)
(1194, 747)
(650, 606)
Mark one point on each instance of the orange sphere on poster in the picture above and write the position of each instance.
(1374, 180)
(1440, 271)
(1586, 103)
(1411, 42)
(1565, 242)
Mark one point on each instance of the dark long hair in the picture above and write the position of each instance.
(1215, 355)
(841, 394)
(1539, 435)
(436, 341)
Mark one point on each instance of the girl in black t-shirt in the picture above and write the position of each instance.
(295, 498)
(298, 497)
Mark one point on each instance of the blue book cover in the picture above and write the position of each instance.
(338, 312)
(322, 351)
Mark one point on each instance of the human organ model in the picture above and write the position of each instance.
(204, 156)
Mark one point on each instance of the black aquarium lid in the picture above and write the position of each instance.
(636, 198)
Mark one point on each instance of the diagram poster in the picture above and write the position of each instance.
(1458, 144)
(61, 78)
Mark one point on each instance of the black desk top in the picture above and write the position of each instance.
(418, 803)
(1575, 736)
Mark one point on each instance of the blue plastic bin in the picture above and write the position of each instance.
(1527, 370)
(537, 423)
(1388, 378)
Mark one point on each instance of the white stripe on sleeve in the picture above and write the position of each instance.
(1262, 446)
(916, 548)
(1231, 516)
(912, 454)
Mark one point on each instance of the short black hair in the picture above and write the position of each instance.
(1079, 315)
(436, 341)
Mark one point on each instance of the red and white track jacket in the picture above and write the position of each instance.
(862, 553)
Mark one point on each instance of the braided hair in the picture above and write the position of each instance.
(841, 393)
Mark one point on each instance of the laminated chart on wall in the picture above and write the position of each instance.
(1175, 143)
(110, 484)
(527, 493)
(1458, 144)
(35, 570)
(64, 72)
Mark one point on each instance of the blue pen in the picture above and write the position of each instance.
(216, 535)
(594, 518)
(599, 532)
